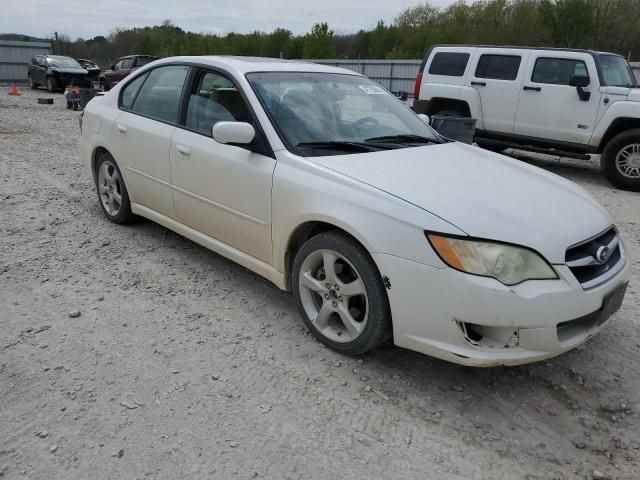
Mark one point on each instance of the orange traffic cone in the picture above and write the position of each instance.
(14, 90)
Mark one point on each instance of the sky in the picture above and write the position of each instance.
(86, 18)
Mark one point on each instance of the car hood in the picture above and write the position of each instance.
(70, 71)
(634, 95)
(484, 194)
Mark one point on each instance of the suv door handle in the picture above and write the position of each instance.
(533, 89)
(121, 128)
(182, 150)
(479, 84)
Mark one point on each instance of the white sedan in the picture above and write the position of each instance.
(324, 183)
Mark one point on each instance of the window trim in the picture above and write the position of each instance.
(445, 52)
(261, 144)
(519, 57)
(131, 78)
(533, 70)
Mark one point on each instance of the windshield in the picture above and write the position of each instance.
(317, 109)
(63, 62)
(616, 71)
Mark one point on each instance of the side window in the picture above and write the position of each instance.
(557, 71)
(126, 63)
(214, 99)
(129, 92)
(498, 67)
(118, 65)
(449, 63)
(159, 96)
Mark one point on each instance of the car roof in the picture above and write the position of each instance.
(242, 65)
(516, 47)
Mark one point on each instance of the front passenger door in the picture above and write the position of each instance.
(222, 190)
(551, 109)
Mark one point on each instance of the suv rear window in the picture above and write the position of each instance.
(451, 64)
(498, 67)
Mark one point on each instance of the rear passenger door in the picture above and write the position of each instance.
(222, 190)
(497, 77)
(150, 107)
(549, 108)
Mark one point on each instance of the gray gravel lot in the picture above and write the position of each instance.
(182, 364)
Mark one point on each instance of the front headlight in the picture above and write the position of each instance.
(506, 263)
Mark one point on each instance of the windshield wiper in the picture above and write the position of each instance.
(403, 138)
(339, 145)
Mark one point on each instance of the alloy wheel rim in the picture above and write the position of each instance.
(333, 296)
(628, 161)
(110, 188)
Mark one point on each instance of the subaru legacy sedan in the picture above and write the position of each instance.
(324, 183)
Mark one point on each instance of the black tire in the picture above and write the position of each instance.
(33, 85)
(609, 156)
(52, 85)
(377, 329)
(124, 214)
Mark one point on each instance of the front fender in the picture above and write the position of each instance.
(619, 109)
(304, 191)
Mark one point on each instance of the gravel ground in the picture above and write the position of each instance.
(130, 352)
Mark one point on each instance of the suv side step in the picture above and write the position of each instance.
(518, 146)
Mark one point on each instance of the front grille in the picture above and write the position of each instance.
(587, 261)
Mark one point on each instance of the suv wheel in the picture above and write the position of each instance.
(620, 161)
(33, 85)
(52, 86)
(112, 191)
(340, 294)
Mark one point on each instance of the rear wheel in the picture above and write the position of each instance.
(620, 161)
(340, 294)
(112, 192)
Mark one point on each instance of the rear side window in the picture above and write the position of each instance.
(498, 67)
(126, 63)
(557, 71)
(449, 63)
(129, 92)
(159, 96)
(140, 61)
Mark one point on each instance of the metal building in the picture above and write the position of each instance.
(395, 75)
(14, 57)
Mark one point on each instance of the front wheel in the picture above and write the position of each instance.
(112, 192)
(620, 161)
(340, 294)
(33, 85)
(52, 85)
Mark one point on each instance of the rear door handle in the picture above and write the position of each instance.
(479, 84)
(182, 150)
(121, 128)
(533, 89)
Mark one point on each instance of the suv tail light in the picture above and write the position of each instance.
(416, 89)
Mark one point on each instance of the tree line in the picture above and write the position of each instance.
(607, 25)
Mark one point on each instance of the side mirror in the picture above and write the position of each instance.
(579, 81)
(112, 67)
(424, 118)
(240, 133)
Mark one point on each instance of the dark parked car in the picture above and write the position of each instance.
(123, 67)
(91, 67)
(56, 72)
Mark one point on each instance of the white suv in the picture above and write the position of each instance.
(566, 102)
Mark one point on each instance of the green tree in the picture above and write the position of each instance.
(319, 43)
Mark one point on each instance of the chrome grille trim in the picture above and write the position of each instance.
(582, 259)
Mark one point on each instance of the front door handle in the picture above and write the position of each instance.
(479, 84)
(532, 89)
(121, 128)
(184, 151)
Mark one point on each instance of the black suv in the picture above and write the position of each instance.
(56, 72)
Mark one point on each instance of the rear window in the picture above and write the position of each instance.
(451, 64)
(498, 67)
